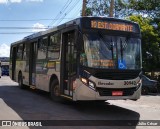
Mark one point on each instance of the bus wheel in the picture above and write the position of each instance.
(55, 90)
(20, 81)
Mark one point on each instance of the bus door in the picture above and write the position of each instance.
(13, 54)
(32, 63)
(68, 62)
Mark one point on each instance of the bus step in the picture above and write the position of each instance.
(32, 87)
(65, 96)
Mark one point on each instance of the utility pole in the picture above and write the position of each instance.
(84, 8)
(111, 8)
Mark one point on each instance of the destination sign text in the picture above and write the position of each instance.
(111, 26)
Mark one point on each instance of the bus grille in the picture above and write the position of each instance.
(108, 91)
(117, 75)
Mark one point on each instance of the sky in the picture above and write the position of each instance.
(20, 18)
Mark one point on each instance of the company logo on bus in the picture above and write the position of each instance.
(105, 83)
(111, 26)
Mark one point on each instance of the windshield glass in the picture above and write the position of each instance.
(5, 67)
(111, 52)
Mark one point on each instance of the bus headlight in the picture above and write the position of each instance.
(88, 83)
(91, 85)
(85, 81)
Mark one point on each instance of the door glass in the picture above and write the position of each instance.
(69, 65)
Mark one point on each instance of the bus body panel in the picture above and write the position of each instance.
(106, 83)
(0, 72)
(25, 78)
(41, 81)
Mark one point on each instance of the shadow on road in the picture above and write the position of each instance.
(36, 105)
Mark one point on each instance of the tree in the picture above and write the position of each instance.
(149, 8)
(149, 22)
(124, 8)
(102, 7)
(97, 7)
(150, 43)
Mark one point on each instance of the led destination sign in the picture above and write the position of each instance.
(112, 26)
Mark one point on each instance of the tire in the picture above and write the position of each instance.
(20, 81)
(55, 91)
(145, 91)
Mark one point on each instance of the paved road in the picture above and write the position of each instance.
(17, 104)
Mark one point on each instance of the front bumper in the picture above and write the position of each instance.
(85, 93)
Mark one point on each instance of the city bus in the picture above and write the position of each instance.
(5, 68)
(85, 59)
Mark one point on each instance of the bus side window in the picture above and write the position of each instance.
(20, 51)
(42, 48)
(54, 46)
(26, 56)
(24, 52)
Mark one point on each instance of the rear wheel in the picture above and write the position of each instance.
(55, 90)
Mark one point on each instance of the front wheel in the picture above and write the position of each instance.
(55, 91)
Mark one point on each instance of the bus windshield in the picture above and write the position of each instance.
(5, 67)
(111, 52)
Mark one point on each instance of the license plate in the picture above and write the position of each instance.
(117, 93)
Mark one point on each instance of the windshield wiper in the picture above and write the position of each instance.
(109, 46)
